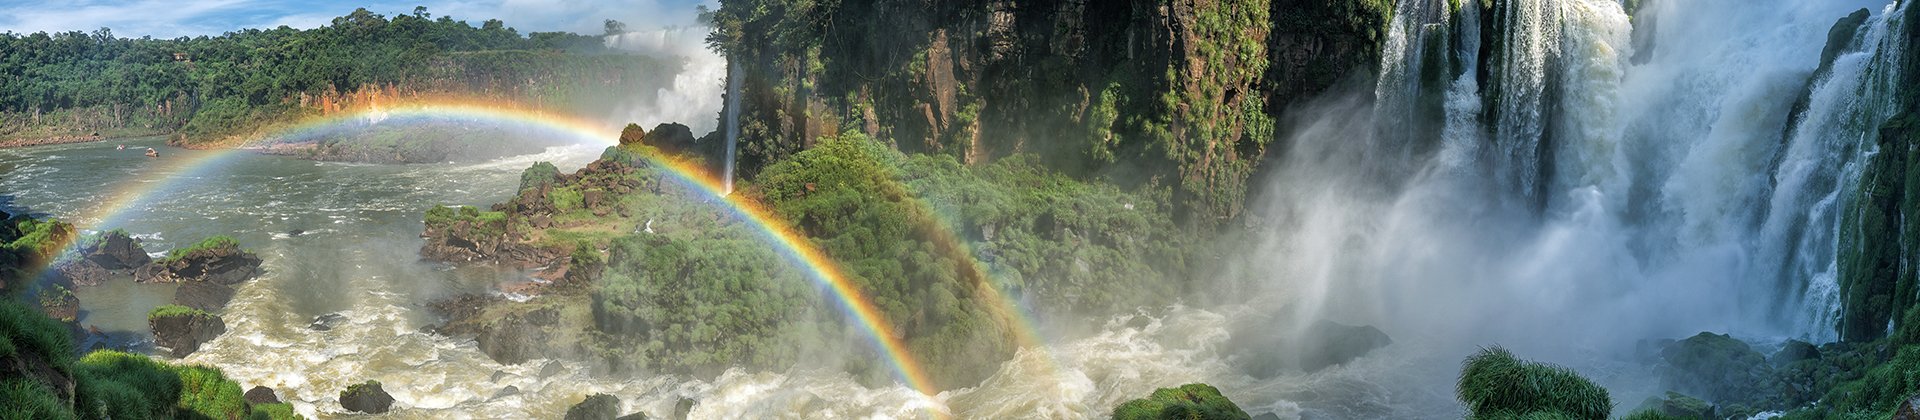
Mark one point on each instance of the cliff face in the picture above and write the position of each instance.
(1181, 93)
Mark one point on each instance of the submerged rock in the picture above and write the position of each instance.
(261, 395)
(366, 397)
(327, 322)
(595, 407)
(684, 408)
(181, 330)
(509, 391)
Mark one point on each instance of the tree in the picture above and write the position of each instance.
(615, 27)
(421, 12)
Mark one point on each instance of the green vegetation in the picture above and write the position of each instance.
(105, 384)
(482, 222)
(78, 83)
(173, 311)
(704, 304)
(1186, 402)
(216, 243)
(28, 244)
(1137, 93)
(1495, 385)
(843, 194)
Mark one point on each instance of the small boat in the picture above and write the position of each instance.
(121, 147)
(152, 153)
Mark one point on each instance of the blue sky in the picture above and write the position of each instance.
(175, 18)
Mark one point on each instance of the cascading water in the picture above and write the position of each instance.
(1580, 198)
(733, 122)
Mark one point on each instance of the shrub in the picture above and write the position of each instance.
(209, 244)
(170, 311)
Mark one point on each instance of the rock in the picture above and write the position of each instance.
(261, 395)
(509, 391)
(327, 322)
(114, 250)
(1337, 343)
(1720, 369)
(60, 304)
(80, 273)
(366, 397)
(1677, 405)
(634, 416)
(202, 295)
(594, 199)
(595, 407)
(1794, 351)
(683, 408)
(1909, 409)
(551, 369)
(225, 264)
(182, 330)
(498, 375)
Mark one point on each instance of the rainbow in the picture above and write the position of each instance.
(791, 242)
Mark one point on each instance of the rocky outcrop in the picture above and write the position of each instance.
(1322, 345)
(510, 337)
(116, 251)
(181, 330)
(1185, 91)
(366, 397)
(80, 273)
(222, 262)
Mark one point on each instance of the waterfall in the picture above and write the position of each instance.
(733, 122)
(1527, 175)
(1825, 155)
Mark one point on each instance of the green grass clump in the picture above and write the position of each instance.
(1495, 385)
(216, 242)
(24, 399)
(280, 411)
(170, 311)
(125, 385)
(567, 198)
(208, 392)
(23, 329)
(1190, 401)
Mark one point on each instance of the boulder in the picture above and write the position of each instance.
(509, 391)
(1720, 369)
(182, 330)
(366, 397)
(1677, 405)
(203, 295)
(1322, 345)
(224, 264)
(683, 408)
(114, 250)
(80, 272)
(1794, 351)
(1909, 409)
(327, 322)
(595, 407)
(261, 395)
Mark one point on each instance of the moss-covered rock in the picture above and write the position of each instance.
(181, 330)
(1186, 402)
(366, 397)
(1720, 369)
(595, 407)
(217, 259)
